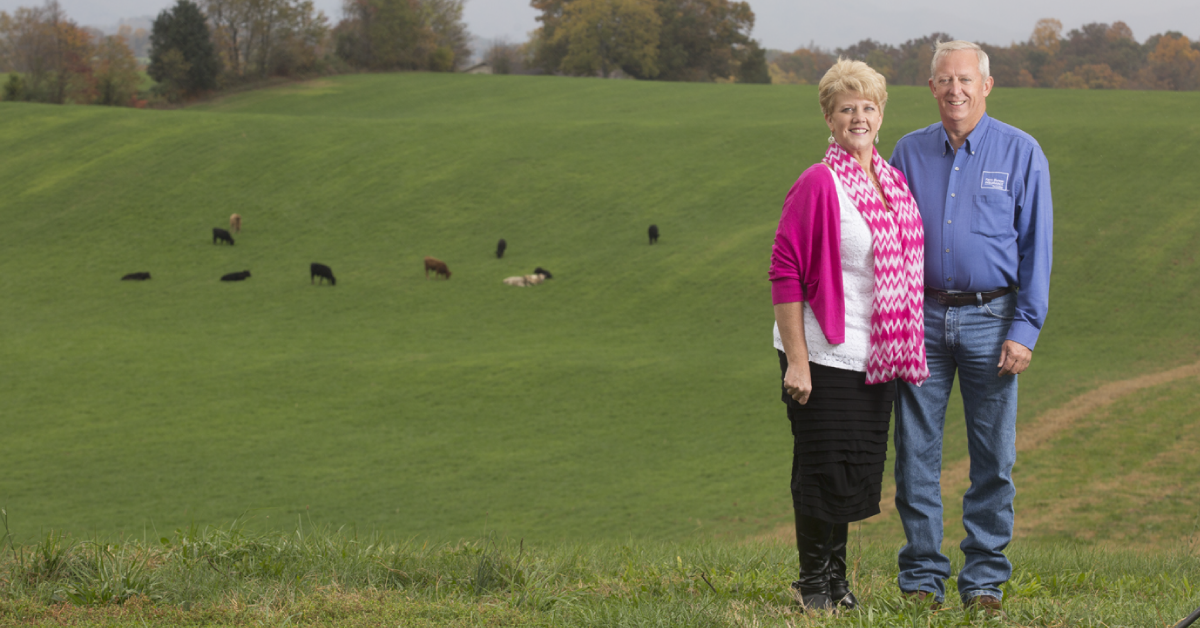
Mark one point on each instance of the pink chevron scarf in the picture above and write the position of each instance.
(897, 311)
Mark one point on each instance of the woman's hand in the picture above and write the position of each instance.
(798, 382)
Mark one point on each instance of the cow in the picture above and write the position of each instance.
(236, 276)
(136, 277)
(542, 271)
(437, 266)
(235, 223)
(527, 280)
(223, 235)
(500, 246)
(322, 271)
(653, 234)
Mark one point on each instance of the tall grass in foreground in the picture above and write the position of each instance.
(230, 576)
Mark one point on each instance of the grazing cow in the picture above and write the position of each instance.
(527, 280)
(542, 271)
(322, 271)
(653, 234)
(221, 234)
(235, 223)
(236, 276)
(437, 266)
(500, 246)
(136, 277)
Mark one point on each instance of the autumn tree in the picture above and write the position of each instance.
(51, 51)
(1173, 64)
(193, 67)
(753, 66)
(506, 58)
(402, 34)
(702, 40)
(602, 36)
(805, 66)
(450, 37)
(115, 71)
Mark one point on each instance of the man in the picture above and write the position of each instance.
(983, 189)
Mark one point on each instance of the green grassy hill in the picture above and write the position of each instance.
(634, 395)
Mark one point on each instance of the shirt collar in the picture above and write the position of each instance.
(973, 139)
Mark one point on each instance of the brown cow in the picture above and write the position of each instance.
(235, 223)
(437, 266)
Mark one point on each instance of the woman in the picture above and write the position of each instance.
(846, 280)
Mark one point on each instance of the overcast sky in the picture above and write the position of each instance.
(790, 24)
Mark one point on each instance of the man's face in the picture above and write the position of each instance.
(960, 89)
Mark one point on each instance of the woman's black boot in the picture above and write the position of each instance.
(839, 586)
(813, 544)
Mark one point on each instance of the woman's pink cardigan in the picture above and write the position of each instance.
(806, 260)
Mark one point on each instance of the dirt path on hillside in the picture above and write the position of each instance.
(955, 476)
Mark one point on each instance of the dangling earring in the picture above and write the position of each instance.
(831, 138)
(876, 138)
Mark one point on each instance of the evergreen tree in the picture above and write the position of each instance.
(184, 29)
(753, 69)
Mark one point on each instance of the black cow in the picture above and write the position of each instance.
(500, 246)
(136, 277)
(653, 234)
(221, 234)
(322, 271)
(236, 276)
(542, 271)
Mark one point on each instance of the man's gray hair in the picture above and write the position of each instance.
(944, 48)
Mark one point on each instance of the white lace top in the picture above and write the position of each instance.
(858, 283)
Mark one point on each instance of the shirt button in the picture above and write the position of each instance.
(949, 221)
(952, 195)
(956, 167)
(972, 152)
(949, 278)
(947, 250)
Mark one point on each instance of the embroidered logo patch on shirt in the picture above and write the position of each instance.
(995, 181)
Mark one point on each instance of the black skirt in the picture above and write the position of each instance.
(840, 440)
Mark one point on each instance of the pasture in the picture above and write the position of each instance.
(634, 395)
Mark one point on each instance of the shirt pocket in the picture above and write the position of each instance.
(992, 215)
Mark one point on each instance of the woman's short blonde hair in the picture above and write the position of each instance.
(851, 76)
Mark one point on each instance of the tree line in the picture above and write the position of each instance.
(199, 46)
(204, 45)
(1094, 56)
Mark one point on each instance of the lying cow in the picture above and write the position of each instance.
(235, 223)
(136, 277)
(322, 271)
(222, 235)
(236, 276)
(437, 266)
(500, 246)
(525, 281)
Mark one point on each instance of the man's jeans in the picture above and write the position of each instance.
(965, 339)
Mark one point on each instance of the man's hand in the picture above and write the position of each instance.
(1014, 358)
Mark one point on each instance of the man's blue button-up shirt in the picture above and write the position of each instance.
(987, 214)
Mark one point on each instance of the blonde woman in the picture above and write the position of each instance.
(846, 280)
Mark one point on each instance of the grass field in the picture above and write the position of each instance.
(632, 396)
(318, 577)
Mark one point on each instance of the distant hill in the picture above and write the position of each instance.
(635, 394)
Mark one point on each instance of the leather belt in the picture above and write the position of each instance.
(956, 299)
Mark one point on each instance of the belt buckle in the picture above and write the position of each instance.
(943, 298)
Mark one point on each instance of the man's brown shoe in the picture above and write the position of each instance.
(922, 598)
(988, 604)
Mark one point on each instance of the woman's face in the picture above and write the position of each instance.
(854, 122)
